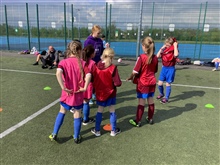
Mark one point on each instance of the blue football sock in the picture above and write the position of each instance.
(168, 91)
(113, 119)
(216, 65)
(98, 121)
(160, 87)
(58, 123)
(77, 127)
(86, 111)
(93, 96)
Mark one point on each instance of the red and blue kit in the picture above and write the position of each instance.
(105, 81)
(146, 80)
(168, 58)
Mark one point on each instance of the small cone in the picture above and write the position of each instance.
(209, 106)
(107, 127)
(1, 109)
(47, 88)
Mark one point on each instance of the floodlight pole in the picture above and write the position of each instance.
(203, 30)
(6, 26)
(79, 24)
(139, 30)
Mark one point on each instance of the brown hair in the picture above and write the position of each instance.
(74, 48)
(107, 55)
(88, 51)
(148, 43)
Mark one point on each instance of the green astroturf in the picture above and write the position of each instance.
(185, 131)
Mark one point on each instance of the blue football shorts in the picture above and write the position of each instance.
(144, 95)
(109, 102)
(67, 107)
(167, 74)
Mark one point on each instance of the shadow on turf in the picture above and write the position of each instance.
(162, 115)
(187, 95)
(182, 68)
(159, 116)
(121, 64)
(121, 96)
(62, 140)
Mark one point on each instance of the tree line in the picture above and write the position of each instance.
(116, 34)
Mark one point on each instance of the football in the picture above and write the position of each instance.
(119, 60)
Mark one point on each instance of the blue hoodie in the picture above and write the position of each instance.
(98, 46)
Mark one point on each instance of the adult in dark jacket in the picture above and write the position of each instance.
(51, 58)
(95, 40)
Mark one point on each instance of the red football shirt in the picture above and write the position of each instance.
(146, 81)
(105, 81)
(167, 56)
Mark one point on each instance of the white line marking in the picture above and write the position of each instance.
(23, 71)
(190, 86)
(181, 85)
(8, 131)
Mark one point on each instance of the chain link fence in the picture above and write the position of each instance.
(196, 26)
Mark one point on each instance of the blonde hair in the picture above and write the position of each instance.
(96, 28)
(169, 40)
(75, 48)
(107, 56)
(148, 43)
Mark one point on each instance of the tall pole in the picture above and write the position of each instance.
(6, 26)
(139, 29)
(152, 20)
(203, 30)
(110, 20)
(28, 28)
(38, 27)
(197, 32)
(106, 20)
(65, 24)
(72, 21)
(79, 24)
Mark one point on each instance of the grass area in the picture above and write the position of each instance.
(185, 132)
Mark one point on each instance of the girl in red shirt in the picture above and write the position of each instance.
(144, 76)
(105, 80)
(87, 55)
(168, 53)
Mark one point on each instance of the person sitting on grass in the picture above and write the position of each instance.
(217, 62)
(51, 58)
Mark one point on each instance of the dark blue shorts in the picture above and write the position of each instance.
(67, 107)
(109, 102)
(167, 74)
(145, 95)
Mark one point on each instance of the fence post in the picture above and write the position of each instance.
(152, 20)
(72, 34)
(106, 20)
(65, 24)
(197, 32)
(38, 27)
(203, 30)
(28, 28)
(6, 26)
(139, 30)
(110, 21)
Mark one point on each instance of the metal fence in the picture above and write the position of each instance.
(196, 26)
